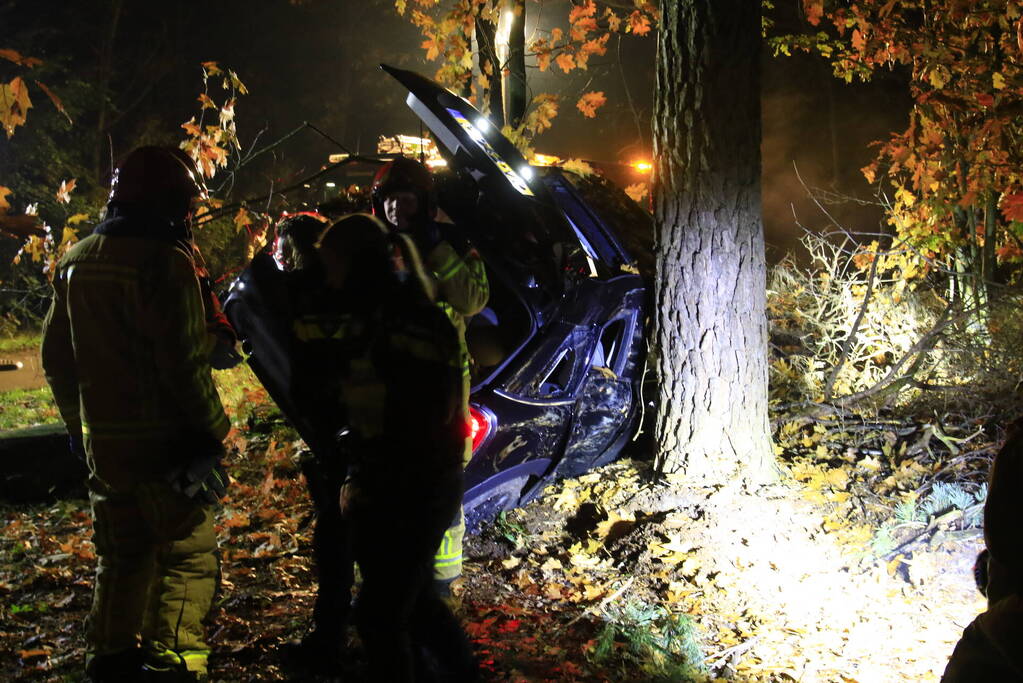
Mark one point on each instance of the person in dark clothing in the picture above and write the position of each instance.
(989, 649)
(403, 194)
(313, 317)
(402, 395)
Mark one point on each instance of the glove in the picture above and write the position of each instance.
(76, 444)
(202, 477)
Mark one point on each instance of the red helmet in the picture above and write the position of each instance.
(163, 178)
(404, 174)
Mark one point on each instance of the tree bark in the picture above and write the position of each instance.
(515, 75)
(490, 70)
(711, 325)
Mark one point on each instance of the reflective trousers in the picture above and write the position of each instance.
(156, 573)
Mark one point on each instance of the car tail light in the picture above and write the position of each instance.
(479, 426)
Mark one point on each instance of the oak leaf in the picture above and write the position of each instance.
(639, 23)
(566, 61)
(590, 102)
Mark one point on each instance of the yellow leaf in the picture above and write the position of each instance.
(998, 80)
(400, 6)
(14, 104)
(552, 564)
(554, 591)
(511, 562)
(77, 218)
(939, 76)
(579, 167)
(637, 191)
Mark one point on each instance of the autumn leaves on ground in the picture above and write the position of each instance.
(852, 567)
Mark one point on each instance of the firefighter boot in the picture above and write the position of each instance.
(125, 665)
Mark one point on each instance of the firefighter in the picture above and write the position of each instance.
(125, 350)
(315, 335)
(403, 397)
(403, 194)
(989, 648)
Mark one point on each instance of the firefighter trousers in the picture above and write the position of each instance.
(156, 573)
(331, 547)
(408, 632)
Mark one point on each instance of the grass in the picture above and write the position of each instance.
(20, 341)
(27, 407)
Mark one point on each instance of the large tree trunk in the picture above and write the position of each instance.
(711, 328)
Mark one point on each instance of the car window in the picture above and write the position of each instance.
(622, 224)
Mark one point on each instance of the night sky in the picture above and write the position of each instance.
(317, 60)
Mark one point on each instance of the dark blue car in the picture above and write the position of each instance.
(559, 350)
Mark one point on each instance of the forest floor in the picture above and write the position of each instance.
(856, 565)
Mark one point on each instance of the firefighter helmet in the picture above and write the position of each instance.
(163, 178)
(404, 174)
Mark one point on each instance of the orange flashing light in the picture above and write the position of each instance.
(642, 166)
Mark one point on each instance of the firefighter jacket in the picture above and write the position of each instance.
(124, 341)
(402, 393)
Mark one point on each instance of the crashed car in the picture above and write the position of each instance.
(558, 351)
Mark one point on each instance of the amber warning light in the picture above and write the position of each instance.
(479, 426)
(642, 166)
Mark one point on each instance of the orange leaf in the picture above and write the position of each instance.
(589, 103)
(543, 60)
(4, 204)
(566, 61)
(211, 68)
(814, 11)
(581, 12)
(639, 23)
(431, 47)
(17, 58)
(1012, 207)
(614, 22)
(192, 128)
(65, 189)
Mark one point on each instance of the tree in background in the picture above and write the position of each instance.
(492, 35)
(710, 291)
(956, 171)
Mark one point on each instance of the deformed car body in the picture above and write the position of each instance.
(559, 350)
